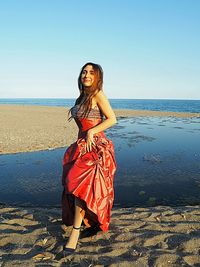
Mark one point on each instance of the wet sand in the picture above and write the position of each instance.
(141, 237)
(32, 128)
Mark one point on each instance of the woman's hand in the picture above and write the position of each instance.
(89, 140)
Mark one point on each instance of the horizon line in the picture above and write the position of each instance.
(108, 98)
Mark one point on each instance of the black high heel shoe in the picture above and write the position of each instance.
(68, 251)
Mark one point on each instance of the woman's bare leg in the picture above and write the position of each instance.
(73, 238)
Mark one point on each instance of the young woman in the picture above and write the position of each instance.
(89, 164)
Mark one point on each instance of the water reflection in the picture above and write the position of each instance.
(158, 162)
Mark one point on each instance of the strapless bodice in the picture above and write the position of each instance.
(94, 117)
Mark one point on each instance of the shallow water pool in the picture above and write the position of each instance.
(158, 163)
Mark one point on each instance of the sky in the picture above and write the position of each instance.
(148, 49)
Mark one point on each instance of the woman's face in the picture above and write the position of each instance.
(87, 76)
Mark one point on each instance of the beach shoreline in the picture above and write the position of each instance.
(159, 236)
(26, 128)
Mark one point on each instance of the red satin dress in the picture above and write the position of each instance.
(89, 175)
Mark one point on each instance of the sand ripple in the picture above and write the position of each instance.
(157, 237)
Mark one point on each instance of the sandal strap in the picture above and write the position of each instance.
(77, 228)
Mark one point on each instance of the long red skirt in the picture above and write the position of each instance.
(89, 177)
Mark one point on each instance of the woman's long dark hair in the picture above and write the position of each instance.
(85, 97)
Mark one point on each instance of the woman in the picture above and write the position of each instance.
(89, 164)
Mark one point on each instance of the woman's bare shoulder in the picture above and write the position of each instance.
(96, 97)
(100, 97)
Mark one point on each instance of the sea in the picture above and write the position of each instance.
(158, 159)
(191, 106)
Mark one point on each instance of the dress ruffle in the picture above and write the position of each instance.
(89, 177)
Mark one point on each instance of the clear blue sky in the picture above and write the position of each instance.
(147, 48)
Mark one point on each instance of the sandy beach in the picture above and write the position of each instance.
(31, 128)
(138, 237)
(160, 236)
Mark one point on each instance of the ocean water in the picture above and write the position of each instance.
(135, 104)
(158, 159)
(158, 163)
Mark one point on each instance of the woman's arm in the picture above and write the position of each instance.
(105, 107)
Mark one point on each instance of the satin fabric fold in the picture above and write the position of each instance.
(89, 177)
